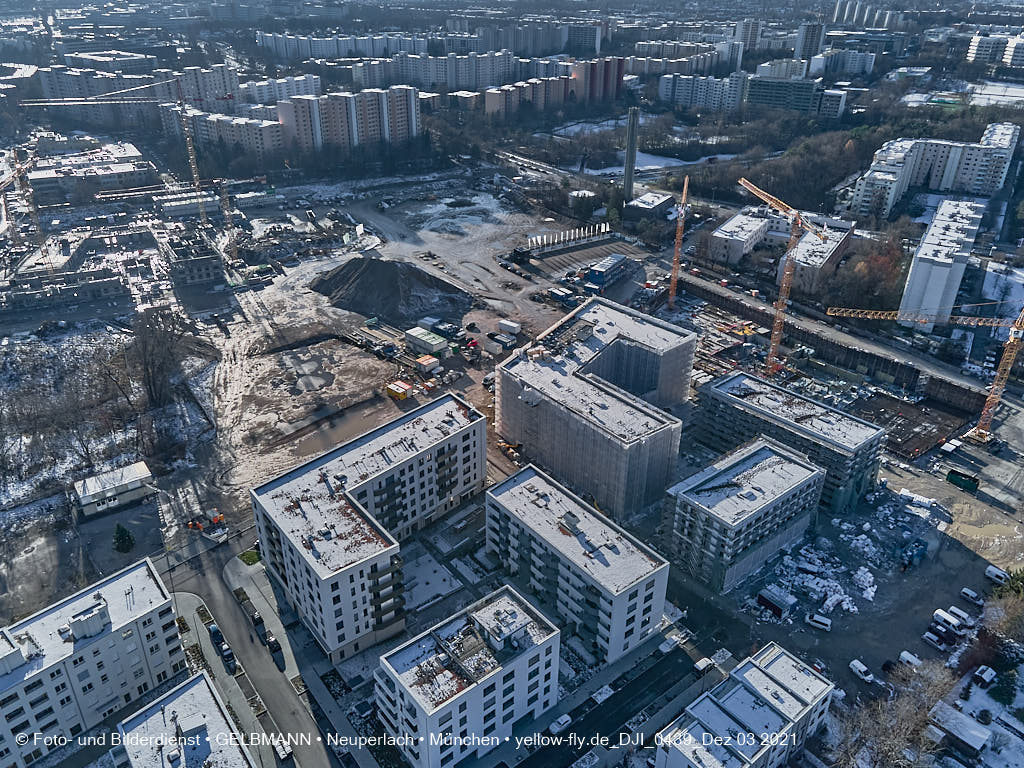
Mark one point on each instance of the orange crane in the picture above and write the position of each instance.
(680, 226)
(982, 433)
(772, 363)
(119, 97)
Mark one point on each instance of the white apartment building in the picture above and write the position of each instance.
(188, 726)
(788, 69)
(606, 586)
(273, 91)
(846, 61)
(941, 166)
(939, 263)
(68, 667)
(457, 690)
(707, 93)
(584, 401)
(810, 39)
(725, 522)
(771, 692)
(987, 49)
(252, 135)
(329, 526)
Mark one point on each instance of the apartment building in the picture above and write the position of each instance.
(939, 263)
(349, 120)
(605, 586)
(68, 667)
(705, 93)
(63, 82)
(112, 61)
(738, 407)
(798, 95)
(810, 39)
(987, 49)
(585, 402)
(547, 93)
(749, 32)
(190, 725)
(940, 166)
(725, 522)
(296, 47)
(842, 61)
(771, 692)
(787, 69)
(75, 177)
(273, 91)
(251, 135)
(330, 527)
(456, 691)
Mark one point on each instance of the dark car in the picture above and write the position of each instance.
(273, 644)
(228, 656)
(256, 619)
(215, 635)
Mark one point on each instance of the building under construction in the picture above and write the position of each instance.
(585, 401)
(191, 258)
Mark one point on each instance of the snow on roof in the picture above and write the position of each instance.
(747, 480)
(190, 719)
(589, 541)
(44, 637)
(741, 227)
(463, 650)
(110, 482)
(555, 366)
(813, 251)
(314, 497)
(960, 726)
(951, 234)
(797, 413)
(766, 693)
(649, 200)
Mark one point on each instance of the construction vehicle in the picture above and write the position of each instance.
(982, 432)
(962, 480)
(772, 363)
(119, 97)
(676, 255)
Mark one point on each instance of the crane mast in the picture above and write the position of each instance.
(680, 226)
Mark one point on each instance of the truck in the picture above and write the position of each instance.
(962, 480)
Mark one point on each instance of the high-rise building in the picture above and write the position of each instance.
(705, 93)
(273, 91)
(939, 263)
(583, 39)
(810, 39)
(606, 586)
(724, 523)
(748, 32)
(443, 694)
(738, 407)
(770, 692)
(75, 663)
(987, 49)
(782, 93)
(977, 168)
(585, 401)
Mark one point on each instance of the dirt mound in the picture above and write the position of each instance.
(397, 292)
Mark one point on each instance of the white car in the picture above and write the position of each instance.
(933, 640)
(559, 725)
(972, 597)
(858, 668)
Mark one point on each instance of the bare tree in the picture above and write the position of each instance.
(155, 351)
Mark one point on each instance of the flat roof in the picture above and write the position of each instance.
(809, 417)
(191, 719)
(468, 647)
(128, 594)
(312, 497)
(746, 480)
(813, 251)
(112, 480)
(649, 200)
(588, 540)
(951, 234)
(555, 366)
(741, 226)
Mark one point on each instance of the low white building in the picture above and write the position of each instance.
(113, 489)
(330, 527)
(725, 522)
(758, 717)
(68, 667)
(939, 263)
(188, 726)
(607, 587)
(457, 690)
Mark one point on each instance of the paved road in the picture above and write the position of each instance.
(609, 717)
(202, 576)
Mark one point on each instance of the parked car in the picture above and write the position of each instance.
(273, 644)
(861, 671)
(215, 635)
(559, 725)
(228, 657)
(256, 618)
(933, 640)
(972, 597)
(960, 613)
(998, 575)
(910, 659)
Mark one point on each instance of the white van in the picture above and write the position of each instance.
(933, 640)
(972, 597)
(861, 671)
(818, 621)
(998, 575)
(951, 623)
(960, 613)
(910, 659)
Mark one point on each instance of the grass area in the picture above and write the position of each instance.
(250, 557)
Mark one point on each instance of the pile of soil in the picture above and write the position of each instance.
(397, 292)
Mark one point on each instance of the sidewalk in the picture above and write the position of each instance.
(228, 685)
(302, 656)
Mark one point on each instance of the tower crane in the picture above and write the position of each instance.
(120, 97)
(772, 363)
(982, 433)
(680, 226)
